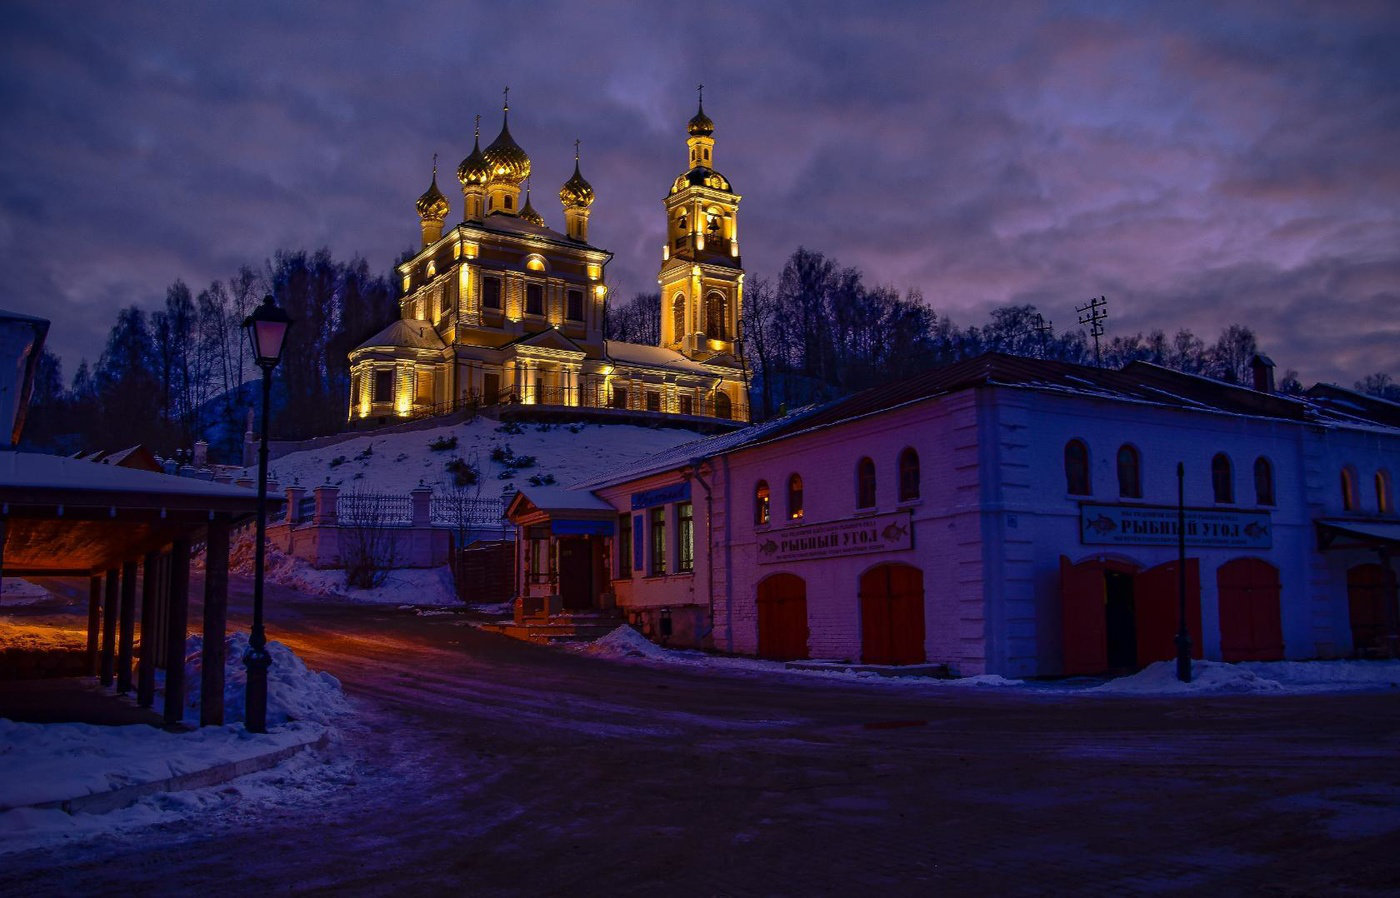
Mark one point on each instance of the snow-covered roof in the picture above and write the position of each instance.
(25, 472)
(557, 499)
(706, 447)
(653, 356)
(411, 333)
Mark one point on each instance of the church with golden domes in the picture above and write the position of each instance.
(501, 309)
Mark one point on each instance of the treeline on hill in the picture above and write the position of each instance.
(184, 371)
(819, 331)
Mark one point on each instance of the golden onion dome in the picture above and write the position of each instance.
(576, 192)
(506, 160)
(474, 170)
(700, 176)
(432, 205)
(700, 125)
(528, 213)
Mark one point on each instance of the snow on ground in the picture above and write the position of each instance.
(1159, 678)
(42, 763)
(406, 586)
(396, 462)
(21, 592)
(1208, 677)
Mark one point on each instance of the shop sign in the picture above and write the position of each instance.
(854, 536)
(663, 495)
(1156, 525)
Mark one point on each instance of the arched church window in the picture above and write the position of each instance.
(678, 316)
(716, 327)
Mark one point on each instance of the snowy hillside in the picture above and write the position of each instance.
(501, 453)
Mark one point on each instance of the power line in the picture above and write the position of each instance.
(1094, 313)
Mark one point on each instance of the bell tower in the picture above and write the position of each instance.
(701, 275)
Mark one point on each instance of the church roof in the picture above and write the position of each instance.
(410, 333)
(503, 223)
(653, 356)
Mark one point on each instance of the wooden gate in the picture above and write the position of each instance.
(782, 618)
(892, 615)
(1371, 598)
(1158, 606)
(1251, 625)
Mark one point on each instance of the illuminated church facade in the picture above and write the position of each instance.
(502, 309)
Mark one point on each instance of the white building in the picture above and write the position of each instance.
(1013, 516)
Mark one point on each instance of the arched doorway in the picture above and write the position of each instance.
(1371, 598)
(782, 618)
(892, 615)
(1116, 616)
(1251, 628)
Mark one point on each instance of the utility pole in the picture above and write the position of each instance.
(1094, 313)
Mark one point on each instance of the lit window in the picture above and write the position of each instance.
(535, 263)
(685, 532)
(794, 505)
(1222, 478)
(1383, 492)
(1263, 481)
(657, 517)
(865, 483)
(908, 475)
(760, 503)
(1077, 468)
(1129, 473)
(1349, 502)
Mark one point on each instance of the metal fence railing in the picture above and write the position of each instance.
(374, 508)
(461, 511)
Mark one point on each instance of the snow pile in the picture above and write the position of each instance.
(397, 462)
(59, 761)
(995, 680)
(1275, 677)
(21, 592)
(414, 586)
(293, 691)
(625, 642)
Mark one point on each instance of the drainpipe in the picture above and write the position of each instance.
(693, 471)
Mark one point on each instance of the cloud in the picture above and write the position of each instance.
(1201, 165)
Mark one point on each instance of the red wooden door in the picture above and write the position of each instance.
(1083, 592)
(1157, 604)
(782, 618)
(1251, 625)
(1371, 598)
(892, 615)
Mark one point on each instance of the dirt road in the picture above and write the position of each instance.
(483, 766)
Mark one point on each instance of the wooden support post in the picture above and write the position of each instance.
(127, 621)
(146, 672)
(109, 629)
(211, 708)
(94, 623)
(179, 622)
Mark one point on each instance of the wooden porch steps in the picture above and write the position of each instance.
(583, 627)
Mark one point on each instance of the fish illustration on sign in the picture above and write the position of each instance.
(768, 547)
(894, 531)
(1101, 524)
(1255, 529)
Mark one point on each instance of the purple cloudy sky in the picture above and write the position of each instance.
(1199, 164)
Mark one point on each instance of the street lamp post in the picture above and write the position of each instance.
(1183, 639)
(267, 331)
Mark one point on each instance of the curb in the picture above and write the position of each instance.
(102, 802)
